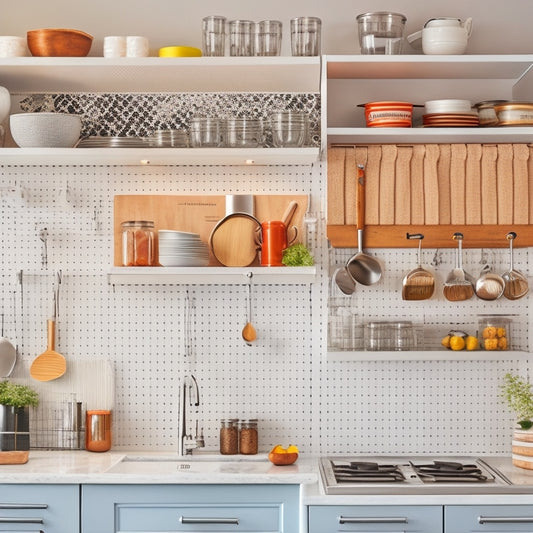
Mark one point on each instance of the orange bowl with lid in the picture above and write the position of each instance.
(389, 114)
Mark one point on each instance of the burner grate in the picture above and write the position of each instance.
(449, 472)
(367, 472)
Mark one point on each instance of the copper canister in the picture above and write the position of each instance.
(98, 430)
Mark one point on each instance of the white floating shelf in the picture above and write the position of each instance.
(421, 66)
(159, 156)
(432, 135)
(427, 355)
(211, 275)
(156, 74)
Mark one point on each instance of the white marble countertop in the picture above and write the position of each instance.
(133, 467)
(157, 467)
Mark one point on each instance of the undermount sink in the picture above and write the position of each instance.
(167, 465)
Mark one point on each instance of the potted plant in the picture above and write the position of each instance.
(518, 394)
(15, 401)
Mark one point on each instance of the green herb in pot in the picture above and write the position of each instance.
(518, 394)
(297, 255)
(16, 395)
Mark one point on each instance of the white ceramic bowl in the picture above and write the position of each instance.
(448, 105)
(45, 130)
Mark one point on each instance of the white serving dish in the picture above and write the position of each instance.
(45, 130)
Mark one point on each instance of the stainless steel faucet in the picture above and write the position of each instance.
(189, 397)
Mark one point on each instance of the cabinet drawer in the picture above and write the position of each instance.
(190, 508)
(204, 517)
(363, 518)
(47, 508)
(496, 518)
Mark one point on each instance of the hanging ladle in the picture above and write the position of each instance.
(363, 268)
(248, 332)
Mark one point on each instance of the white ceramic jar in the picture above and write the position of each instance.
(445, 35)
(5, 104)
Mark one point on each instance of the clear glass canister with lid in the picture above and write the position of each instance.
(248, 437)
(138, 243)
(229, 436)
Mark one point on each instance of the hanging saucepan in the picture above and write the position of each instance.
(234, 241)
(8, 354)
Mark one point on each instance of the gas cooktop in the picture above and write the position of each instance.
(410, 475)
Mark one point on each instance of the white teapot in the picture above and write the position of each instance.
(443, 35)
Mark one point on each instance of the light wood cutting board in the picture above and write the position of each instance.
(196, 214)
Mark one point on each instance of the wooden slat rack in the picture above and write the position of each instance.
(481, 190)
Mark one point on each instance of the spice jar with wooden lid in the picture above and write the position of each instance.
(229, 436)
(248, 437)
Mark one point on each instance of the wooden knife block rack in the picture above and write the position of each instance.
(481, 190)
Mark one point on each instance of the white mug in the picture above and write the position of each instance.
(137, 46)
(115, 46)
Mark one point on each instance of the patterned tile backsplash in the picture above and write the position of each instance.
(132, 114)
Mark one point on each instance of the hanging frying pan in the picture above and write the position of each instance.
(234, 240)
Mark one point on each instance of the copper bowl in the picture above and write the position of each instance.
(59, 42)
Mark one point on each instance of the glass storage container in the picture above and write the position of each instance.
(138, 243)
(494, 332)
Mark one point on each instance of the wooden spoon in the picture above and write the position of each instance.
(248, 332)
(50, 364)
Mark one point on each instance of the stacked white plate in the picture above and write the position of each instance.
(181, 248)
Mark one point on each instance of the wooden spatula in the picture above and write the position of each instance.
(50, 364)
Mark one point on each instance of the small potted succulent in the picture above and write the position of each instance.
(518, 394)
(15, 401)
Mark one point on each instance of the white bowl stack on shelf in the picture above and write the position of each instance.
(450, 113)
(181, 248)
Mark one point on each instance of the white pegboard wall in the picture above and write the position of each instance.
(283, 379)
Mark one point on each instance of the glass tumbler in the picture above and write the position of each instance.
(243, 133)
(305, 36)
(214, 36)
(206, 132)
(241, 38)
(268, 38)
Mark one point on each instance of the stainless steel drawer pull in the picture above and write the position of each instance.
(20, 520)
(373, 520)
(505, 519)
(208, 520)
(23, 506)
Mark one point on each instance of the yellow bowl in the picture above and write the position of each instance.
(179, 51)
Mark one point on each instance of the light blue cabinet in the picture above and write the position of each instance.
(192, 508)
(379, 519)
(489, 518)
(46, 508)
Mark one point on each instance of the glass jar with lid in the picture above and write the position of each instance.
(229, 436)
(248, 437)
(138, 243)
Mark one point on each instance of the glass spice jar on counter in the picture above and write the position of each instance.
(138, 243)
(248, 437)
(229, 436)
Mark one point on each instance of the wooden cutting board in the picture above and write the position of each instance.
(196, 214)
